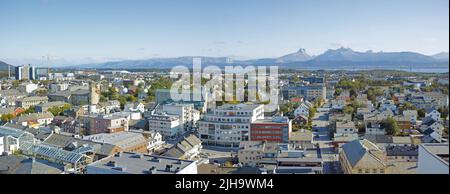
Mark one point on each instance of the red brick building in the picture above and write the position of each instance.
(276, 129)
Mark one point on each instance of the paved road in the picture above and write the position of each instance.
(323, 139)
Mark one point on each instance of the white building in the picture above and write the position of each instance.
(28, 87)
(155, 140)
(229, 124)
(58, 87)
(345, 127)
(375, 129)
(412, 115)
(434, 114)
(167, 125)
(187, 113)
(433, 158)
(134, 107)
(303, 109)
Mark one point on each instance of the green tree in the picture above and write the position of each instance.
(337, 92)
(421, 113)
(390, 125)
(444, 112)
(7, 117)
(348, 109)
(31, 109)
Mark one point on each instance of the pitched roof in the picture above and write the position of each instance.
(357, 150)
(183, 146)
(378, 138)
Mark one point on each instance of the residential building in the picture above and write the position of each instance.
(95, 124)
(45, 106)
(126, 141)
(27, 87)
(303, 138)
(34, 119)
(434, 114)
(343, 127)
(168, 126)
(275, 129)
(185, 111)
(188, 148)
(303, 109)
(25, 72)
(27, 102)
(362, 157)
(229, 124)
(271, 155)
(402, 153)
(134, 107)
(309, 92)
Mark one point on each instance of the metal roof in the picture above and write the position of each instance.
(51, 152)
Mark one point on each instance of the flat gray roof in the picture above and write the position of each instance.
(134, 163)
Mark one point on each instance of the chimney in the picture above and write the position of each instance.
(152, 170)
(168, 167)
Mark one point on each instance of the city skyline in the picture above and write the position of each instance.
(99, 31)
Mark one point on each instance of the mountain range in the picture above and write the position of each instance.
(300, 59)
(343, 58)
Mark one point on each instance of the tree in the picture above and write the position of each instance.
(407, 106)
(131, 98)
(103, 98)
(348, 109)
(7, 117)
(421, 113)
(42, 92)
(444, 112)
(337, 92)
(390, 125)
(30, 110)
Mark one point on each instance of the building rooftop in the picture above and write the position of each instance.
(273, 120)
(183, 146)
(121, 139)
(441, 150)
(13, 164)
(357, 149)
(396, 150)
(239, 106)
(301, 136)
(34, 116)
(132, 163)
(32, 98)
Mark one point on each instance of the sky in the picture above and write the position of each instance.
(86, 31)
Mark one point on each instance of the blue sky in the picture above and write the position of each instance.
(98, 30)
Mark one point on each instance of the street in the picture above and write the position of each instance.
(323, 139)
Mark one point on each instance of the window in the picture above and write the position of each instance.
(360, 171)
(367, 171)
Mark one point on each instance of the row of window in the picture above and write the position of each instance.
(374, 171)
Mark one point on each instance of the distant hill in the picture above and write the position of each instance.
(299, 56)
(348, 55)
(332, 58)
(4, 66)
(443, 56)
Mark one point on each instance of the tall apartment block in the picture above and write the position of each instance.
(229, 124)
